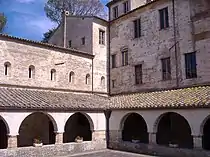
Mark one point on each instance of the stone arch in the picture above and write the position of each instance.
(168, 132)
(78, 124)
(7, 68)
(52, 74)
(71, 77)
(134, 127)
(37, 125)
(4, 131)
(31, 71)
(102, 81)
(205, 129)
(87, 79)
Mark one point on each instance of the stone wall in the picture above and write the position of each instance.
(22, 55)
(155, 44)
(54, 150)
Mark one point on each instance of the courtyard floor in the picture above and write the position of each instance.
(107, 153)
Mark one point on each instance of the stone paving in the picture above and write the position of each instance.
(107, 153)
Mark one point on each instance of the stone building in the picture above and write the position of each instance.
(138, 82)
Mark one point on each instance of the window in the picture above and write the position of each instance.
(124, 57)
(71, 77)
(102, 81)
(83, 41)
(138, 74)
(102, 37)
(164, 22)
(137, 28)
(87, 79)
(114, 61)
(53, 75)
(69, 43)
(126, 7)
(31, 71)
(166, 68)
(113, 83)
(190, 65)
(115, 12)
(7, 67)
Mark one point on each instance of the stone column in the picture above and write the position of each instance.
(99, 135)
(58, 137)
(152, 138)
(197, 141)
(12, 141)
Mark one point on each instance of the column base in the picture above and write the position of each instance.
(197, 140)
(12, 141)
(58, 138)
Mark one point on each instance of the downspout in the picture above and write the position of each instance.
(175, 42)
(109, 71)
(92, 75)
(64, 29)
(107, 115)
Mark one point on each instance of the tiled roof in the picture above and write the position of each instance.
(47, 45)
(180, 98)
(18, 98)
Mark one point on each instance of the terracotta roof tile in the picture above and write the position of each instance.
(19, 98)
(180, 98)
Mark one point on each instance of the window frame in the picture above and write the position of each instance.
(190, 65)
(101, 37)
(126, 7)
(166, 68)
(138, 78)
(113, 83)
(164, 18)
(124, 57)
(7, 67)
(70, 43)
(83, 40)
(113, 59)
(137, 28)
(115, 12)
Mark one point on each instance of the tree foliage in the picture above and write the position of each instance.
(47, 35)
(54, 8)
(3, 21)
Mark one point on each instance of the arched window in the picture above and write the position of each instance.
(87, 79)
(102, 81)
(71, 77)
(53, 75)
(31, 71)
(7, 66)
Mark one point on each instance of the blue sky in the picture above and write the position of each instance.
(26, 18)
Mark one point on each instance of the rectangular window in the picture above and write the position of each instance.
(113, 83)
(83, 41)
(166, 68)
(137, 28)
(115, 12)
(102, 37)
(190, 65)
(124, 57)
(138, 74)
(114, 61)
(69, 43)
(126, 7)
(164, 19)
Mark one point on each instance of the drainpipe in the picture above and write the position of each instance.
(175, 42)
(109, 78)
(92, 76)
(64, 27)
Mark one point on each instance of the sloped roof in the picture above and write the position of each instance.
(18, 98)
(194, 97)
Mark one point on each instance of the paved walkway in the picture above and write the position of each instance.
(107, 153)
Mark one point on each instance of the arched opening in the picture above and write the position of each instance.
(206, 135)
(53, 75)
(3, 134)
(102, 81)
(174, 130)
(37, 126)
(71, 77)
(31, 71)
(77, 125)
(135, 128)
(87, 79)
(7, 66)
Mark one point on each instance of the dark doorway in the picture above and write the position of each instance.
(173, 129)
(36, 126)
(135, 128)
(3, 135)
(206, 135)
(77, 125)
